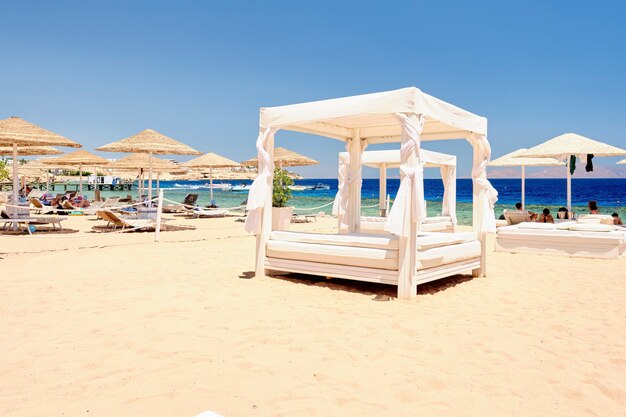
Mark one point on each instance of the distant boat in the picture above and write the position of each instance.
(318, 186)
(224, 186)
(240, 188)
(297, 187)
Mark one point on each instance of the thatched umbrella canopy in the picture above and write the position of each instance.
(568, 144)
(141, 162)
(80, 158)
(211, 160)
(151, 142)
(285, 158)
(30, 150)
(17, 132)
(512, 160)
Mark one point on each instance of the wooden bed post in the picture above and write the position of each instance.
(354, 187)
(382, 190)
(266, 219)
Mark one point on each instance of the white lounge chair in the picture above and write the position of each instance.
(123, 222)
(24, 222)
(516, 216)
(206, 212)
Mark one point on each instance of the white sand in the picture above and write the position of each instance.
(116, 325)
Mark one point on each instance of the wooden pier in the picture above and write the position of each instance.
(61, 186)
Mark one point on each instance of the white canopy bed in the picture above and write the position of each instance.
(406, 256)
(383, 160)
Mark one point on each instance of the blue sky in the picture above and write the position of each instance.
(97, 72)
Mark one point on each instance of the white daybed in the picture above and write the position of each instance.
(383, 160)
(402, 257)
(588, 240)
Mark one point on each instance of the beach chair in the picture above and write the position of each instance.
(202, 212)
(188, 204)
(38, 206)
(20, 222)
(516, 216)
(94, 207)
(118, 221)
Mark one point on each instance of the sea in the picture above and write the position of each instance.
(610, 195)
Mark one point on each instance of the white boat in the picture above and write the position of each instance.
(318, 186)
(224, 186)
(296, 187)
(240, 187)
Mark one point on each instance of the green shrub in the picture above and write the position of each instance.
(281, 192)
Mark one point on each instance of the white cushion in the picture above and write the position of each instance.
(361, 240)
(447, 254)
(435, 240)
(334, 254)
(591, 227)
(437, 219)
(542, 226)
(564, 225)
(596, 218)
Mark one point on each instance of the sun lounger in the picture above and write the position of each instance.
(202, 212)
(516, 216)
(27, 221)
(119, 221)
(189, 203)
(38, 206)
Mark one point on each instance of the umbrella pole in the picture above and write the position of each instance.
(211, 182)
(47, 181)
(149, 176)
(80, 180)
(16, 180)
(523, 187)
(382, 190)
(569, 185)
(158, 185)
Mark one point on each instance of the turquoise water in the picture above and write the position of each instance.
(540, 193)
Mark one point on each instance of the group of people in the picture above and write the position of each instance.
(546, 217)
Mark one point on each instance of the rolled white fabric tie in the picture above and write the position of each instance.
(261, 184)
(488, 195)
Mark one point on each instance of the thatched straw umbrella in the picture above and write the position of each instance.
(17, 132)
(151, 142)
(285, 158)
(571, 144)
(80, 158)
(141, 162)
(211, 160)
(30, 151)
(511, 160)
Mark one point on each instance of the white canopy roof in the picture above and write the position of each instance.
(391, 158)
(374, 116)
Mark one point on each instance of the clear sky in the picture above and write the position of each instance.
(99, 71)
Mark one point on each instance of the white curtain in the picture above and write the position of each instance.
(262, 184)
(345, 177)
(411, 191)
(340, 205)
(487, 195)
(448, 176)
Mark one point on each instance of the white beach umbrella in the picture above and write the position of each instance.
(513, 159)
(563, 146)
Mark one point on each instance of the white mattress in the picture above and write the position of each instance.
(557, 233)
(371, 251)
(430, 224)
(362, 240)
(447, 254)
(334, 254)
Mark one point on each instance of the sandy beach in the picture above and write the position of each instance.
(115, 324)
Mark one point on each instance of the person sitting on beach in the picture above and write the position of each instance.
(518, 207)
(81, 202)
(562, 210)
(616, 220)
(213, 204)
(593, 207)
(545, 217)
